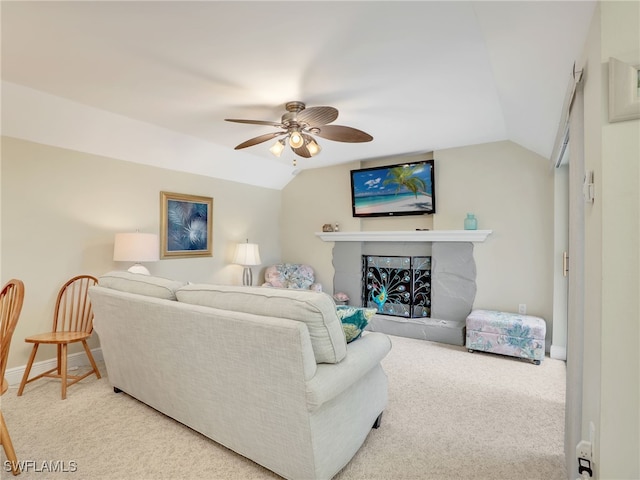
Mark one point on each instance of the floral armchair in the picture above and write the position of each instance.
(291, 275)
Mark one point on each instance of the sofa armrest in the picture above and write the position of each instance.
(332, 379)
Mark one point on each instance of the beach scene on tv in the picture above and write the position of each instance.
(401, 189)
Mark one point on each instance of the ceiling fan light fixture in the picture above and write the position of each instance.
(295, 139)
(277, 148)
(313, 147)
(299, 125)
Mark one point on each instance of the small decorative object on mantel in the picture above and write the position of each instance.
(341, 298)
(471, 222)
(336, 228)
(327, 227)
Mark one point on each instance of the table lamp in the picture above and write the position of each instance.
(247, 254)
(136, 247)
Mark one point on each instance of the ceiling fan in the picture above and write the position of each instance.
(298, 124)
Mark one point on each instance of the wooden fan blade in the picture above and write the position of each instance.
(256, 140)
(254, 122)
(343, 134)
(303, 151)
(317, 116)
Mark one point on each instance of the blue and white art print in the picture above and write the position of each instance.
(186, 224)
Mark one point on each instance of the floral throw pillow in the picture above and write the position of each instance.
(354, 320)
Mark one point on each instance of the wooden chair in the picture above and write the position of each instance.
(11, 298)
(72, 323)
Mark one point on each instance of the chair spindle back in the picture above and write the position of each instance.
(73, 312)
(11, 298)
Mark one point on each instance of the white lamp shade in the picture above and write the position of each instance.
(296, 140)
(247, 254)
(277, 148)
(313, 147)
(136, 247)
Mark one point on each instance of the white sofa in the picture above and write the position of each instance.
(265, 372)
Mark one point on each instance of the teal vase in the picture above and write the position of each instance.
(471, 222)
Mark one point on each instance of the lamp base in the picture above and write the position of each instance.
(247, 277)
(140, 269)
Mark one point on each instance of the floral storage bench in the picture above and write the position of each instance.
(510, 334)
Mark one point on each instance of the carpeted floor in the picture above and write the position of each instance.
(452, 415)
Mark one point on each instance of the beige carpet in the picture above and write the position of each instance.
(452, 415)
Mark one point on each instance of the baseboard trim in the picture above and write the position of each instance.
(559, 353)
(74, 360)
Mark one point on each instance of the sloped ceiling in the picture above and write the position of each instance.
(152, 82)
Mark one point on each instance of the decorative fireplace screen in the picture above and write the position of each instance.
(399, 286)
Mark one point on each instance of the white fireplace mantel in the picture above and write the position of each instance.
(407, 236)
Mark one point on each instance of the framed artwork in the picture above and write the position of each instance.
(185, 225)
(624, 91)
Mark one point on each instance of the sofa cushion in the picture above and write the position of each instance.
(354, 319)
(140, 284)
(315, 309)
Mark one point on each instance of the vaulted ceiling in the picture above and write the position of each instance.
(418, 76)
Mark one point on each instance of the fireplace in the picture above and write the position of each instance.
(451, 285)
(397, 285)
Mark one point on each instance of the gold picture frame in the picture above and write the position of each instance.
(624, 91)
(186, 225)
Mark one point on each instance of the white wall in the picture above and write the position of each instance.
(586, 343)
(510, 190)
(61, 209)
(310, 200)
(620, 236)
(610, 382)
(508, 187)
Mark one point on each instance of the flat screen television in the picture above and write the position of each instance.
(393, 190)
